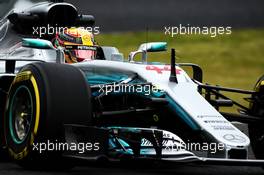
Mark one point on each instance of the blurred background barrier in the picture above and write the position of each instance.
(137, 15)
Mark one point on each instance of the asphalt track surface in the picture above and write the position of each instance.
(13, 169)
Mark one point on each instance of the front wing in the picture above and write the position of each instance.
(115, 144)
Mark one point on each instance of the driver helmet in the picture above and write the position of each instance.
(77, 43)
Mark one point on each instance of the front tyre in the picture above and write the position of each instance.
(256, 130)
(42, 98)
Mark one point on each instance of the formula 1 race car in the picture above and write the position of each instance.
(116, 110)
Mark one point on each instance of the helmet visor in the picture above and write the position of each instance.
(82, 53)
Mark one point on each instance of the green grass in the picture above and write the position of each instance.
(235, 60)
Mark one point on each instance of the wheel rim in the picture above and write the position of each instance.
(20, 114)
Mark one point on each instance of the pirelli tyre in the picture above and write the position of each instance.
(42, 98)
(5, 81)
(256, 130)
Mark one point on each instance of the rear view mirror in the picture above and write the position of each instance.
(148, 47)
(153, 47)
(37, 43)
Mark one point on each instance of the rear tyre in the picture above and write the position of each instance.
(256, 130)
(42, 98)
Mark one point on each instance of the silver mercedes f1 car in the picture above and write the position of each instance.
(114, 109)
